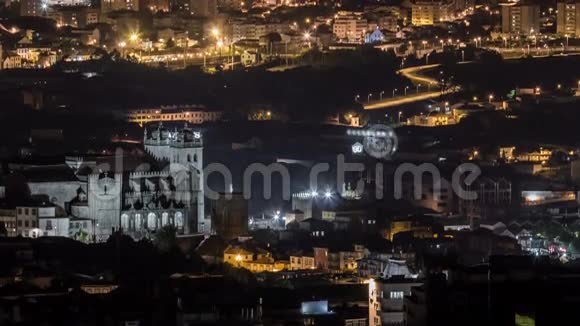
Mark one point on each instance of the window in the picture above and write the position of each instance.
(26, 224)
(19, 211)
(19, 223)
(33, 211)
(26, 211)
(48, 225)
(396, 295)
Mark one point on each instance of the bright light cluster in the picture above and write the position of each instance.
(368, 133)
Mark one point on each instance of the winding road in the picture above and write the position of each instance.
(415, 76)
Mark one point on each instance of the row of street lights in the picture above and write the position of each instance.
(395, 90)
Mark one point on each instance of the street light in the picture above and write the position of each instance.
(490, 97)
(424, 45)
(356, 98)
(381, 95)
(418, 85)
(369, 97)
(215, 32)
(406, 87)
(400, 113)
(395, 90)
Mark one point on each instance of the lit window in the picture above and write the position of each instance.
(396, 295)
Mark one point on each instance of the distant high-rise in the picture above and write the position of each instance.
(430, 12)
(203, 8)
(520, 18)
(114, 5)
(32, 8)
(229, 217)
(43, 7)
(568, 19)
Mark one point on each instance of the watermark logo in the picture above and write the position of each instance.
(379, 141)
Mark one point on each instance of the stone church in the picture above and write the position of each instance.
(139, 199)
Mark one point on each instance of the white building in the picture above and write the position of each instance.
(349, 27)
(250, 58)
(302, 263)
(190, 113)
(518, 18)
(568, 18)
(27, 221)
(430, 12)
(386, 300)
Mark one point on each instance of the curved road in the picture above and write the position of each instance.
(415, 76)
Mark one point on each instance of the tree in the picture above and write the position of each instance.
(3, 230)
(170, 44)
(575, 246)
(165, 239)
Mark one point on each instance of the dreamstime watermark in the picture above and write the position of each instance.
(179, 180)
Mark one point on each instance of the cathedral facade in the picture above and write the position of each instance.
(141, 202)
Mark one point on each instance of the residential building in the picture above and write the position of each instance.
(302, 262)
(33, 8)
(252, 29)
(250, 58)
(35, 55)
(203, 8)
(568, 18)
(190, 113)
(436, 196)
(115, 5)
(256, 260)
(349, 27)
(339, 259)
(387, 300)
(419, 228)
(11, 60)
(27, 221)
(430, 12)
(520, 18)
(74, 16)
(81, 229)
(8, 219)
(432, 120)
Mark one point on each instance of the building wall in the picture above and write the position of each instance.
(520, 19)
(386, 301)
(230, 216)
(349, 27)
(8, 217)
(429, 13)
(54, 227)
(26, 220)
(104, 198)
(60, 192)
